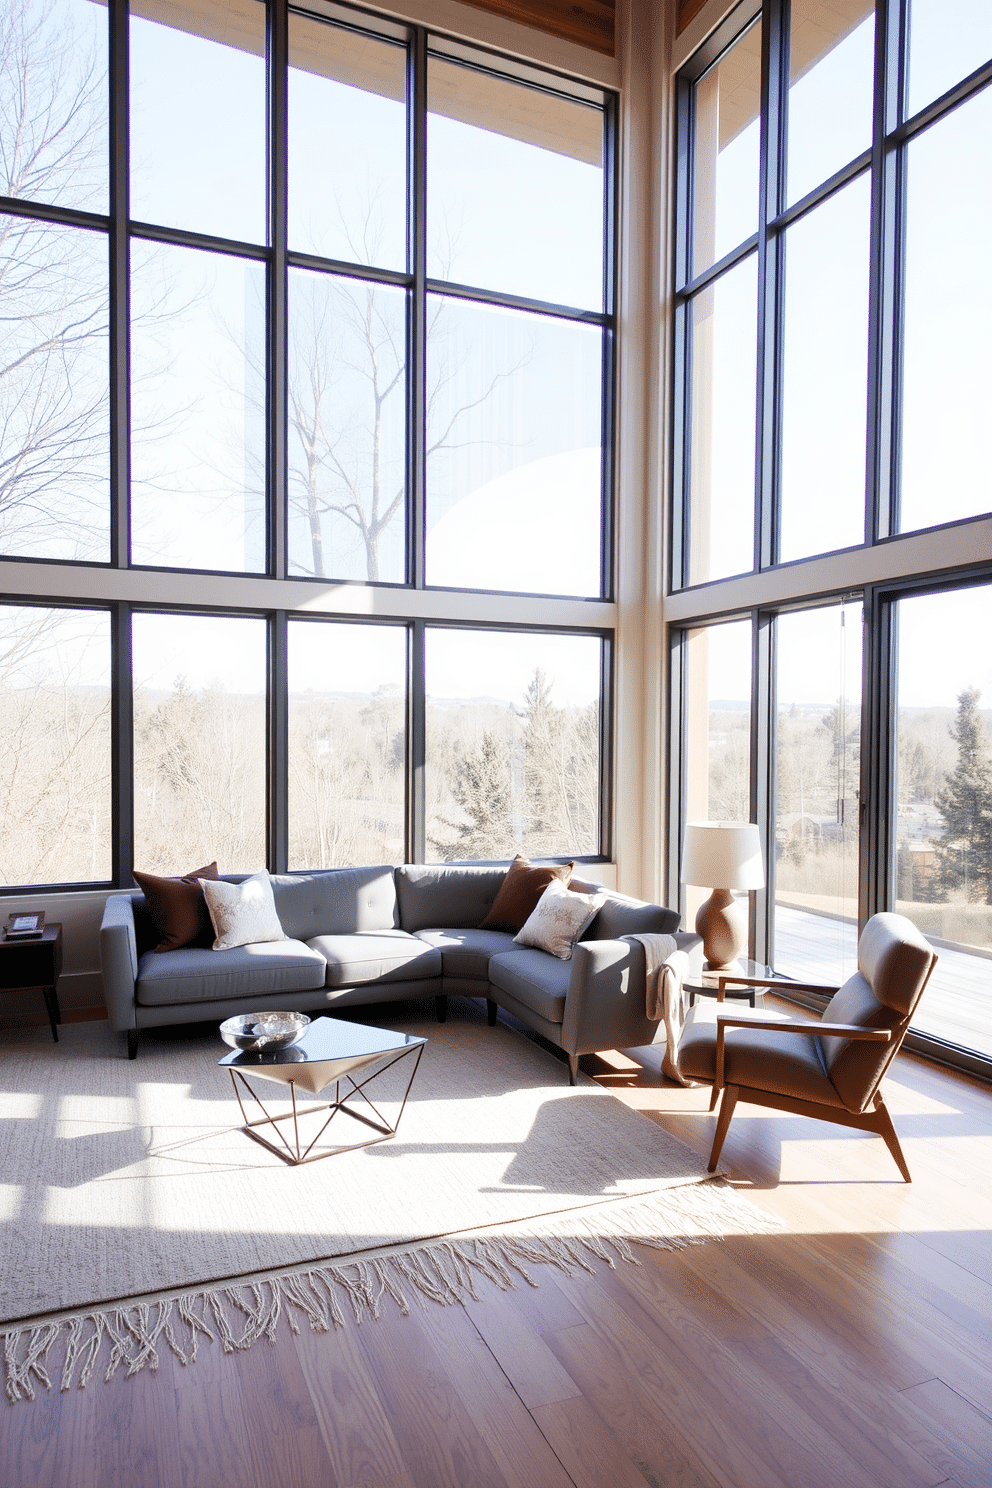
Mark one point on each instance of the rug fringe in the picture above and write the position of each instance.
(445, 1272)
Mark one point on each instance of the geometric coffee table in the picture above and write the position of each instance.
(330, 1052)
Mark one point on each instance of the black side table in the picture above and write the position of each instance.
(34, 965)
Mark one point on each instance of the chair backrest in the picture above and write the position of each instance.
(894, 965)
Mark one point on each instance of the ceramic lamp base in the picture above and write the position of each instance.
(722, 923)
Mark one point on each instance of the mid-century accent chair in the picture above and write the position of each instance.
(830, 1068)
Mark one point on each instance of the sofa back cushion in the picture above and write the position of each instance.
(336, 901)
(434, 896)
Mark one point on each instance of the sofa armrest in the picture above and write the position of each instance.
(604, 1008)
(119, 961)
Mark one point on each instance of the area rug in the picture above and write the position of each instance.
(135, 1214)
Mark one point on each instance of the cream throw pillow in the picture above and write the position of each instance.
(558, 920)
(242, 913)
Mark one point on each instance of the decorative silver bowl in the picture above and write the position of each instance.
(254, 1032)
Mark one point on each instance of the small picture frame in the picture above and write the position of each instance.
(24, 926)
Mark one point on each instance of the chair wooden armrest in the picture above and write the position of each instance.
(788, 1025)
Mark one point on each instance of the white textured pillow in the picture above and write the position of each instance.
(242, 913)
(558, 919)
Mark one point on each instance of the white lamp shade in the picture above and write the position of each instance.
(722, 855)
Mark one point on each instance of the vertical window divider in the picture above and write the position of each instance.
(611, 161)
(681, 527)
(881, 477)
(122, 746)
(417, 310)
(763, 697)
(878, 803)
(416, 752)
(678, 739)
(771, 249)
(118, 268)
(277, 714)
(276, 393)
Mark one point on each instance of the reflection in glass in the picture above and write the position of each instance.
(514, 446)
(514, 188)
(831, 83)
(825, 382)
(946, 373)
(54, 103)
(199, 742)
(198, 116)
(54, 400)
(512, 745)
(721, 468)
(347, 144)
(942, 873)
(55, 747)
(726, 139)
(347, 744)
(197, 409)
(948, 39)
(718, 724)
(817, 780)
(347, 428)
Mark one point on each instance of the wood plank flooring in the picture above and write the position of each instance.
(853, 1347)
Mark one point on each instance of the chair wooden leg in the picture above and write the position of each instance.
(730, 1095)
(715, 1096)
(885, 1129)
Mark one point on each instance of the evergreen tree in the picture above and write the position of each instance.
(965, 802)
(484, 790)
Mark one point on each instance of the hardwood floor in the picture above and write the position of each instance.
(853, 1347)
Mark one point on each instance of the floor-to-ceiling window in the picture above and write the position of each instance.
(831, 472)
(306, 415)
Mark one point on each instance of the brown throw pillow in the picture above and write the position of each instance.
(519, 892)
(177, 908)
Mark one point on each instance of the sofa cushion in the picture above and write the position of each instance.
(558, 919)
(466, 953)
(335, 902)
(191, 975)
(534, 978)
(375, 956)
(519, 892)
(432, 894)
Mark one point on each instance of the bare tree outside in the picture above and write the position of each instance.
(54, 434)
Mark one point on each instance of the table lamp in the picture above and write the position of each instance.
(722, 856)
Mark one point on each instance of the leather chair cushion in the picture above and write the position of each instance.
(786, 1063)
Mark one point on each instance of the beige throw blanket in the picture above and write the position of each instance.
(665, 969)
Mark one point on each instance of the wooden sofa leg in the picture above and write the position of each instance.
(730, 1094)
(883, 1125)
(441, 1008)
(573, 1069)
(491, 1010)
(132, 1043)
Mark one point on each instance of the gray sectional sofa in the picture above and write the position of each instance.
(364, 935)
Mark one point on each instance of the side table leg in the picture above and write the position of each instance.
(54, 1011)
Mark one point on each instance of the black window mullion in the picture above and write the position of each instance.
(416, 743)
(611, 162)
(877, 805)
(763, 737)
(118, 267)
(277, 802)
(122, 746)
(278, 90)
(417, 311)
(774, 45)
(881, 485)
(681, 526)
(677, 755)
